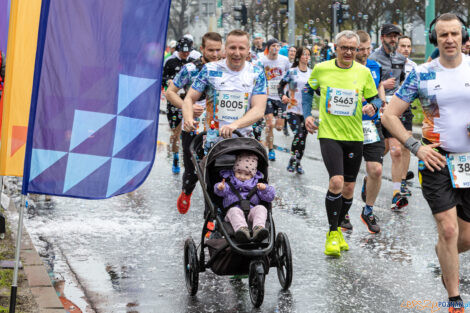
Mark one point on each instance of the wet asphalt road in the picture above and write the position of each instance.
(125, 254)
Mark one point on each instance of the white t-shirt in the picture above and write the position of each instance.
(275, 71)
(296, 80)
(409, 65)
(229, 92)
(445, 98)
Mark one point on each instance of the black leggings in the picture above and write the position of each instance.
(189, 175)
(297, 124)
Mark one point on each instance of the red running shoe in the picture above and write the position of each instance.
(183, 203)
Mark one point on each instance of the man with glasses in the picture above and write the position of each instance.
(393, 74)
(341, 83)
(374, 144)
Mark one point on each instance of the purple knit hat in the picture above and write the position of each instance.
(247, 162)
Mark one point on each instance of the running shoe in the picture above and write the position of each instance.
(183, 203)
(456, 310)
(272, 155)
(299, 168)
(210, 226)
(291, 166)
(404, 190)
(343, 245)
(398, 202)
(346, 223)
(371, 222)
(175, 168)
(332, 246)
(364, 191)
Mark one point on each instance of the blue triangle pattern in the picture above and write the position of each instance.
(85, 124)
(42, 159)
(79, 166)
(127, 129)
(130, 87)
(122, 171)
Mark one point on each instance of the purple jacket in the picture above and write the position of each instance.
(243, 188)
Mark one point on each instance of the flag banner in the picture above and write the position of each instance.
(22, 42)
(4, 19)
(94, 111)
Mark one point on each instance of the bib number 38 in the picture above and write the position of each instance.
(459, 168)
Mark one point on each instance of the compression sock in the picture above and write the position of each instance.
(333, 205)
(345, 206)
(456, 301)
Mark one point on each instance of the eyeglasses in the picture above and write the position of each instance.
(346, 49)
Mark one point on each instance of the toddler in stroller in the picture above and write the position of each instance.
(242, 193)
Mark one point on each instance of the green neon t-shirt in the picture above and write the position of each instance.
(342, 91)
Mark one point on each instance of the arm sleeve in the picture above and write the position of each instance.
(408, 92)
(375, 100)
(307, 100)
(268, 194)
(202, 80)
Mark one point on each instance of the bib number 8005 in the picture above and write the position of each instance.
(231, 104)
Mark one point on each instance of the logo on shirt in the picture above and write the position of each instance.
(215, 73)
(467, 84)
(437, 87)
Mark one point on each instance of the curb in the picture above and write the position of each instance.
(38, 279)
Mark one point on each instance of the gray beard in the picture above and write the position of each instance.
(390, 48)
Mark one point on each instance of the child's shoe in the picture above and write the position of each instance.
(242, 235)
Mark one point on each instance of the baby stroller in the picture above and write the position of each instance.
(226, 256)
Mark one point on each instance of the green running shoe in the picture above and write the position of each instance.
(332, 246)
(343, 245)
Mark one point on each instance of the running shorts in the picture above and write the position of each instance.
(374, 152)
(342, 157)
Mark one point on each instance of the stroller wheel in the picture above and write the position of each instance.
(191, 271)
(283, 260)
(256, 282)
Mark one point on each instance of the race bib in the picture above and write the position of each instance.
(230, 105)
(272, 86)
(341, 101)
(371, 134)
(459, 168)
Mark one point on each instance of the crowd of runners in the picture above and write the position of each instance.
(364, 98)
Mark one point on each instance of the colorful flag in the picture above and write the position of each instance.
(22, 42)
(4, 19)
(95, 102)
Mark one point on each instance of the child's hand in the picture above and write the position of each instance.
(261, 186)
(221, 185)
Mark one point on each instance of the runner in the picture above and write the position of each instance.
(341, 83)
(233, 79)
(374, 144)
(211, 46)
(172, 66)
(295, 79)
(275, 67)
(404, 47)
(393, 74)
(444, 91)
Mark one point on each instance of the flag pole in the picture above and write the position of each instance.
(14, 286)
(2, 217)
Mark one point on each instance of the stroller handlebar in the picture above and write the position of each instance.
(199, 137)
